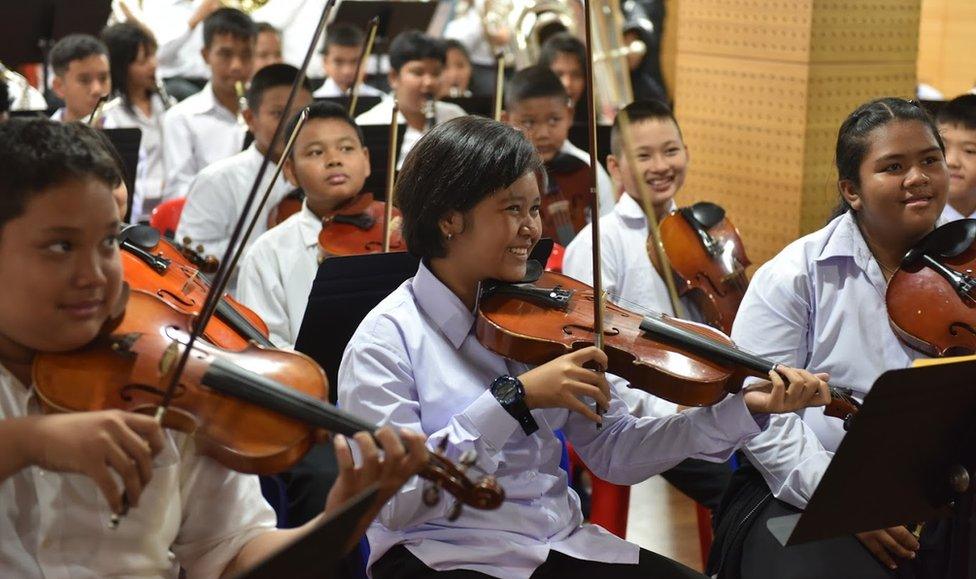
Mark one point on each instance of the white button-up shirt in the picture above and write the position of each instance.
(277, 273)
(330, 89)
(416, 363)
(819, 305)
(194, 513)
(149, 174)
(629, 278)
(179, 45)
(604, 185)
(382, 113)
(216, 200)
(951, 214)
(199, 131)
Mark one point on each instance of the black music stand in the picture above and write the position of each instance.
(483, 106)
(318, 553)
(395, 17)
(916, 435)
(363, 103)
(126, 143)
(377, 140)
(579, 135)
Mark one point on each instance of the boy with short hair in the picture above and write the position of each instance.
(330, 163)
(62, 476)
(267, 47)
(217, 195)
(416, 63)
(957, 125)
(207, 126)
(565, 55)
(340, 54)
(537, 104)
(81, 76)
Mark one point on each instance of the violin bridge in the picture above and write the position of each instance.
(170, 355)
(188, 284)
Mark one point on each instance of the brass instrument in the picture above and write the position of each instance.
(23, 96)
(529, 23)
(245, 6)
(430, 113)
(241, 101)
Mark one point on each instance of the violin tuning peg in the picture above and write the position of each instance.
(431, 495)
(455, 512)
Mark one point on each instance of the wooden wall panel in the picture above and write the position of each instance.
(947, 42)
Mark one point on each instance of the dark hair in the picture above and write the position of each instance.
(534, 82)
(228, 21)
(452, 168)
(415, 45)
(454, 44)
(853, 139)
(959, 111)
(74, 47)
(271, 76)
(4, 96)
(636, 112)
(342, 35)
(324, 110)
(562, 43)
(124, 41)
(265, 27)
(36, 154)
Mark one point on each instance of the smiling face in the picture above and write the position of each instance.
(494, 239)
(904, 182)
(60, 260)
(661, 160)
(329, 163)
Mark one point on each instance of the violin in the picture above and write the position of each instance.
(150, 262)
(358, 228)
(567, 198)
(931, 297)
(235, 403)
(709, 260)
(289, 205)
(686, 363)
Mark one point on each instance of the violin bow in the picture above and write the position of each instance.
(499, 85)
(391, 160)
(374, 24)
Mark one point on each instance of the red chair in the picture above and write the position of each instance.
(555, 262)
(166, 216)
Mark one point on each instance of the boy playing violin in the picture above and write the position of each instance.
(330, 163)
(470, 197)
(62, 476)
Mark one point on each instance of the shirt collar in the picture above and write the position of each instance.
(442, 306)
(207, 102)
(309, 226)
(845, 240)
(628, 208)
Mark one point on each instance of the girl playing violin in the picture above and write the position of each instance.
(820, 304)
(329, 163)
(470, 197)
(63, 475)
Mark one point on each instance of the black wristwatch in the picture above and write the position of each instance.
(510, 393)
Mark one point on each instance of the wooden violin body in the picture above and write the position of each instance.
(567, 199)
(709, 261)
(256, 411)
(288, 206)
(151, 263)
(931, 298)
(358, 229)
(685, 363)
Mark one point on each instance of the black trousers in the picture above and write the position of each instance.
(400, 563)
(703, 481)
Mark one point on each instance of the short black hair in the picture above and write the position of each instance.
(36, 154)
(454, 44)
(452, 168)
(74, 47)
(562, 43)
(265, 27)
(228, 21)
(324, 110)
(124, 41)
(342, 35)
(271, 76)
(415, 45)
(637, 112)
(959, 111)
(534, 82)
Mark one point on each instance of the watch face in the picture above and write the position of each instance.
(506, 390)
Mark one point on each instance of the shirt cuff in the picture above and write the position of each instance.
(734, 419)
(490, 420)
